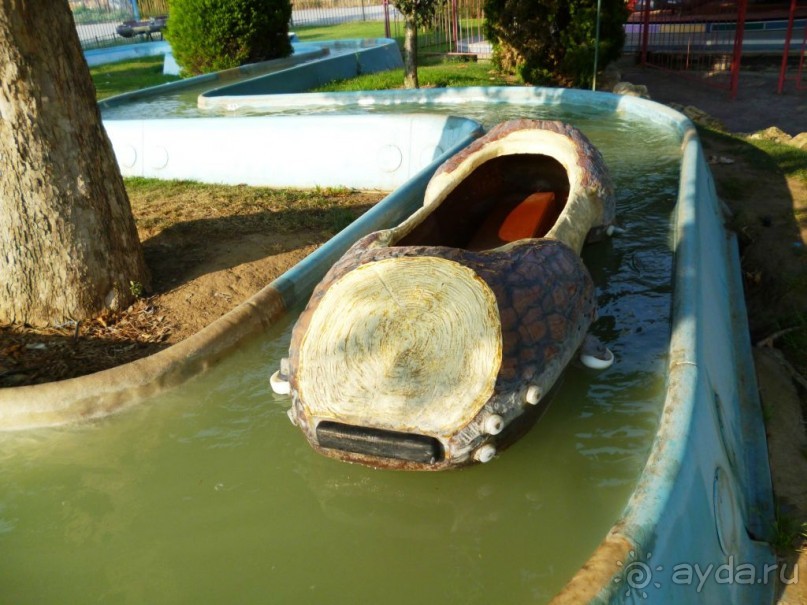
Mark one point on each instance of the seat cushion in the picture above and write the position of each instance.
(512, 220)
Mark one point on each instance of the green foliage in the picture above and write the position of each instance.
(788, 533)
(152, 8)
(211, 35)
(421, 12)
(85, 15)
(136, 288)
(552, 42)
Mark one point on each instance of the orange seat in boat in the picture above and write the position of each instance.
(529, 217)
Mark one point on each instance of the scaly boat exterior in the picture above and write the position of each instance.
(433, 344)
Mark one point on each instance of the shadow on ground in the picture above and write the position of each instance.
(191, 249)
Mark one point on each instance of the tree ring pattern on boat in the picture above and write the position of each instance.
(423, 332)
(412, 342)
(544, 298)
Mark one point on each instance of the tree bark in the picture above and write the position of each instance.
(68, 243)
(411, 54)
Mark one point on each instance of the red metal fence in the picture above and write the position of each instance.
(457, 29)
(708, 39)
(791, 41)
(700, 39)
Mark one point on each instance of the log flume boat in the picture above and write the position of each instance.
(432, 344)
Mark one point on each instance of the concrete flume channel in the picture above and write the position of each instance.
(704, 497)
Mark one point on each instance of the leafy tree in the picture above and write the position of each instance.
(68, 243)
(551, 42)
(417, 13)
(211, 35)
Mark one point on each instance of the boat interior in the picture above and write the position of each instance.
(506, 199)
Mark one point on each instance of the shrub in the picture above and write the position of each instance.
(211, 35)
(552, 42)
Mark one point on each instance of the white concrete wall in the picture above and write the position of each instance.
(365, 152)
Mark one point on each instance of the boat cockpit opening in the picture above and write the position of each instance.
(506, 199)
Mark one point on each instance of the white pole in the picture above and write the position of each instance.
(596, 47)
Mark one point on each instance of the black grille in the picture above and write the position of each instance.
(377, 442)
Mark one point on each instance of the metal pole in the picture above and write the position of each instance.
(801, 60)
(645, 30)
(455, 25)
(386, 19)
(738, 48)
(596, 46)
(786, 51)
(135, 10)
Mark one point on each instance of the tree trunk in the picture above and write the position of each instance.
(411, 54)
(68, 243)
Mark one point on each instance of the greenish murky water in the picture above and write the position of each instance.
(209, 494)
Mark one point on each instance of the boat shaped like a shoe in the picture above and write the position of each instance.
(427, 345)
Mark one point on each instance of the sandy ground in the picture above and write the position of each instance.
(756, 107)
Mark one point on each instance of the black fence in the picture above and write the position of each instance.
(111, 22)
(457, 29)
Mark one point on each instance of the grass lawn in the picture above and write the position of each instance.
(433, 72)
(343, 31)
(131, 74)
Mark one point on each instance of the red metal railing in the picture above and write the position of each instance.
(789, 37)
(697, 38)
(457, 29)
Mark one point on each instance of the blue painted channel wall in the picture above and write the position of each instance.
(348, 59)
(705, 495)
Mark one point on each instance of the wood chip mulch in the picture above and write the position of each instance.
(31, 355)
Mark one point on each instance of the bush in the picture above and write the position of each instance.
(211, 35)
(552, 42)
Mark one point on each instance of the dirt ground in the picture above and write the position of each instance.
(215, 248)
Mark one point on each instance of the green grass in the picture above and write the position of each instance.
(768, 155)
(432, 73)
(790, 160)
(124, 76)
(787, 532)
(209, 211)
(132, 74)
(343, 31)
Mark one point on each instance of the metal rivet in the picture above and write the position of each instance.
(533, 395)
(494, 424)
(485, 453)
